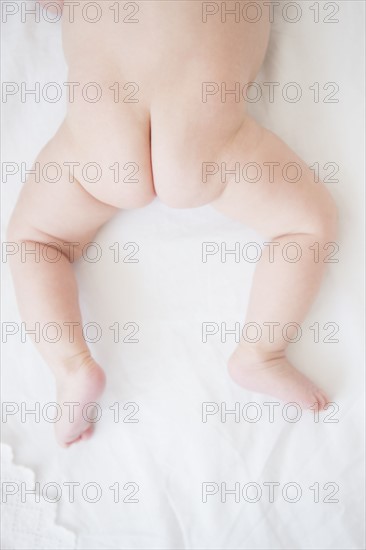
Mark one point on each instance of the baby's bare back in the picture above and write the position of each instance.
(164, 72)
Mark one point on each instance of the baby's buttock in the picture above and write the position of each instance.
(159, 98)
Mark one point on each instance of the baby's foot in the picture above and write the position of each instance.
(272, 374)
(83, 384)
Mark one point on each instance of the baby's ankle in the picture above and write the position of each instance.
(259, 352)
(77, 362)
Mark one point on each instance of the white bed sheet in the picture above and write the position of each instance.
(170, 452)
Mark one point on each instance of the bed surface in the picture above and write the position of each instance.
(169, 373)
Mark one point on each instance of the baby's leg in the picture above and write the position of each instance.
(301, 212)
(58, 213)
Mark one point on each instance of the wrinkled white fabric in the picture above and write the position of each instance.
(28, 525)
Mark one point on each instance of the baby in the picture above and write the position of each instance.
(155, 105)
